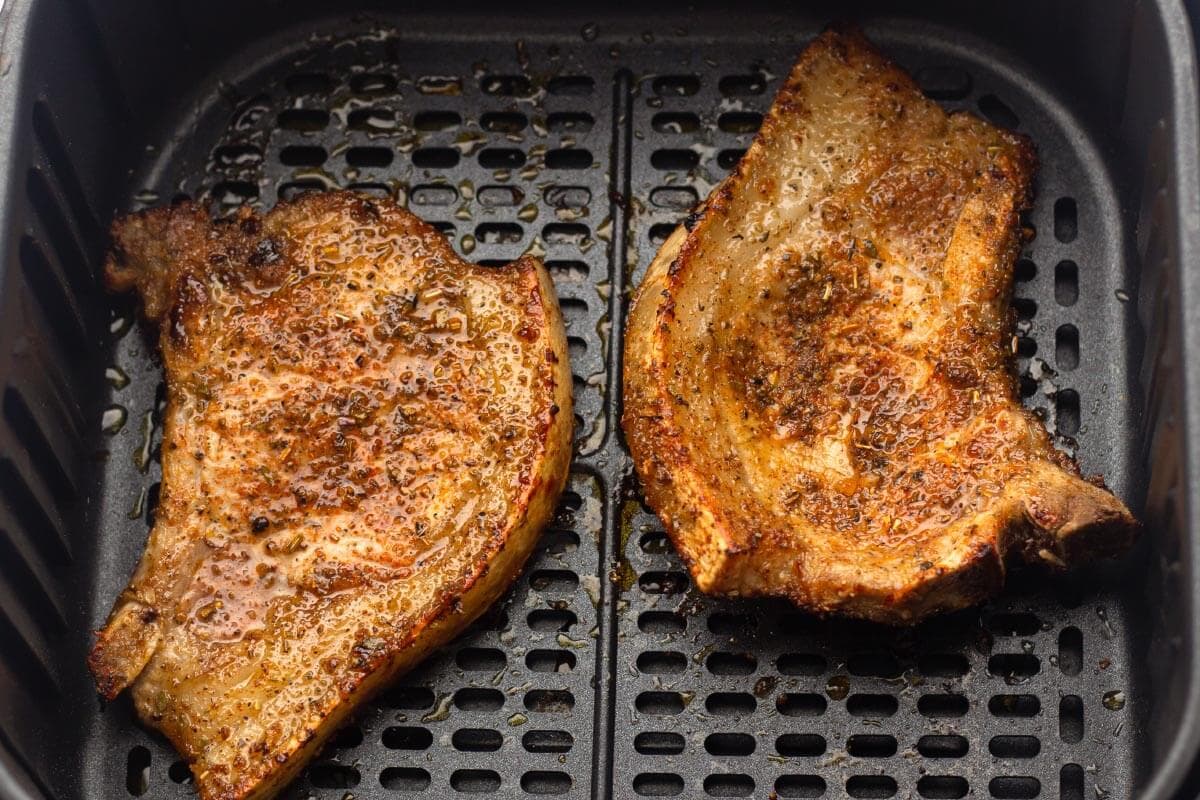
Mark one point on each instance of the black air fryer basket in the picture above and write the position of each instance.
(587, 134)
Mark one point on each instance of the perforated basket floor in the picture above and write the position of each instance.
(603, 673)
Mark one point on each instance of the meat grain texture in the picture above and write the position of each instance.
(363, 437)
(820, 394)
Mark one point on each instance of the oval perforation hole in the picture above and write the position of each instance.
(566, 233)
(674, 159)
(303, 120)
(655, 543)
(723, 623)
(571, 85)
(503, 122)
(1026, 347)
(1066, 412)
(729, 744)
(499, 196)
(997, 112)
(405, 779)
(570, 122)
(664, 583)
(660, 662)
(871, 786)
(372, 83)
(553, 581)
(740, 122)
(407, 738)
(238, 155)
(137, 771)
(1024, 270)
(675, 85)
(743, 85)
(333, 776)
(943, 665)
(476, 740)
(802, 704)
(550, 660)
(479, 700)
(728, 159)
(675, 122)
(659, 743)
(1070, 719)
(1014, 705)
(436, 120)
(474, 781)
(659, 704)
(178, 772)
(481, 659)
(549, 701)
(371, 120)
(1066, 219)
(729, 785)
(568, 196)
(235, 193)
(731, 663)
(730, 704)
(658, 233)
(870, 745)
(1007, 746)
(550, 741)
(657, 784)
(374, 189)
(674, 198)
(501, 158)
(546, 782)
(661, 622)
(1070, 783)
(943, 746)
(874, 665)
(507, 85)
(800, 786)
(872, 705)
(1070, 650)
(1014, 787)
(369, 157)
(346, 738)
(1014, 666)
(942, 787)
(801, 664)
(445, 85)
(800, 745)
(943, 705)
(1066, 283)
(568, 158)
(408, 698)
(499, 233)
(1066, 347)
(433, 194)
(435, 157)
(1025, 307)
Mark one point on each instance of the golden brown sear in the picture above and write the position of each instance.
(820, 396)
(363, 437)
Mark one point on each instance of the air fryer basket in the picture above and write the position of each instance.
(586, 135)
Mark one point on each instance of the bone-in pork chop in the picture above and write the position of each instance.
(820, 394)
(363, 438)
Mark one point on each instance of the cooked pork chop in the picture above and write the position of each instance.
(364, 435)
(820, 395)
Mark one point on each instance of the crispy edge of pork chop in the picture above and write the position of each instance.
(125, 646)
(730, 543)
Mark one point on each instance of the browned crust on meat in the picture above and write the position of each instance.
(713, 396)
(182, 265)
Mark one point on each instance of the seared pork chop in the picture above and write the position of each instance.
(820, 395)
(364, 436)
